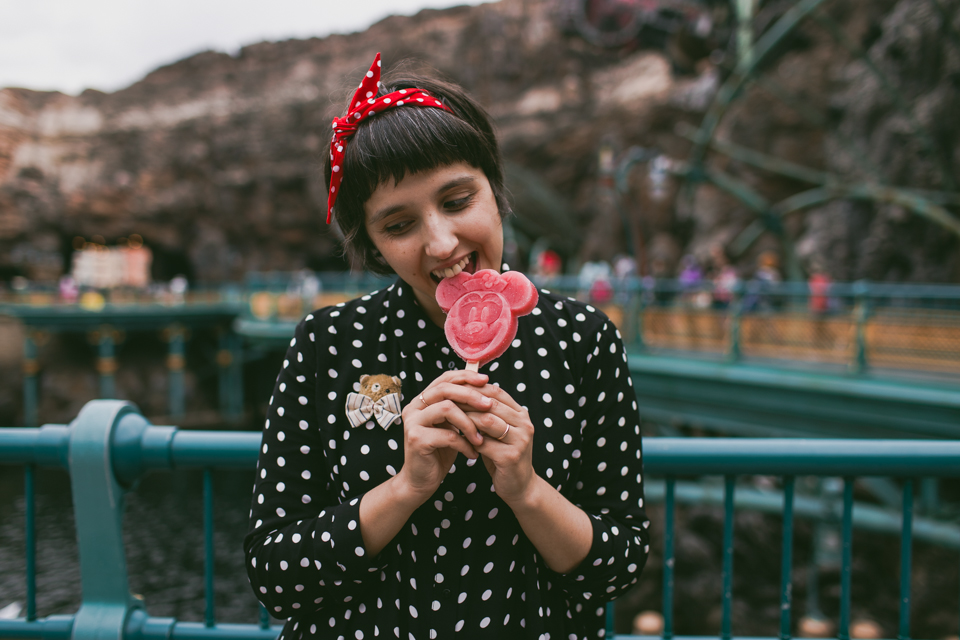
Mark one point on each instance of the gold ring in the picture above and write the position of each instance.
(425, 404)
(505, 432)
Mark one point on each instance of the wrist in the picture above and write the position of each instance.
(404, 494)
(531, 499)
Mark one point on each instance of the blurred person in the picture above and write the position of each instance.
(724, 277)
(766, 277)
(548, 264)
(691, 280)
(595, 280)
(819, 283)
(68, 289)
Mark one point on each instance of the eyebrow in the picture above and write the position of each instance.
(446, 186)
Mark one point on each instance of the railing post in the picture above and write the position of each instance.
(106, 338)
(786, 559)
(906, 559)
(98, 509)
(640, 298)
(175, 336)
(726, 596)
(230, 363)
(735, 311)
(669, 514)
(30, 541)
(31, 367)
(862, 314)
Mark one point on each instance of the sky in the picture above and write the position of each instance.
(71, 45)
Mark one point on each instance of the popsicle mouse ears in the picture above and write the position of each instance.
(518, 292)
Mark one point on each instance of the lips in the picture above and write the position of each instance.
(468, 264)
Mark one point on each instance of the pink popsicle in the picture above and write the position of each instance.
(482, 311)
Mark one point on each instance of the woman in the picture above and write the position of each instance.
(369, 520)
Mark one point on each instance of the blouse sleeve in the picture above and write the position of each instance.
(304, 546)
(610, 486)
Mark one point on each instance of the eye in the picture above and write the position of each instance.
(397, 228)
(458, 203)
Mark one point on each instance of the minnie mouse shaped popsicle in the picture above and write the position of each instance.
(482, 310)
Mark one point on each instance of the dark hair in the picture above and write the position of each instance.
(409, 140)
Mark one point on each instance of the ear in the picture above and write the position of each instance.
(397, 381)
(520, 293)
(363, 378)
(450, 289)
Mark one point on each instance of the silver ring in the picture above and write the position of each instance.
(505, 432)
(425, 403)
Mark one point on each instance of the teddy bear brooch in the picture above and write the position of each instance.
(378, 399)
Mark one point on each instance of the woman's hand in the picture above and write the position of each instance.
(507, 445)
(432, 424)
(559, 530)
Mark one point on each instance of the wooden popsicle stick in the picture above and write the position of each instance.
(473, 366)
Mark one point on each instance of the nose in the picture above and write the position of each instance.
(440, 238)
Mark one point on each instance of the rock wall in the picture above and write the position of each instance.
(214, 160)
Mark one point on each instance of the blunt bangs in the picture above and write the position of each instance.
(407, 140)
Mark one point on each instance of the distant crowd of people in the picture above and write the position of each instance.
(703, 284)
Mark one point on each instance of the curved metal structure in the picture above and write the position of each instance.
(826, 186)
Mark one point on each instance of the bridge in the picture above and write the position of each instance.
(877, 360)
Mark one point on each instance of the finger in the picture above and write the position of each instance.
(460, 376)
(464, 395)
(494, 392)
(489, 424)
(447, 412)
(507, 409)
(436, 439)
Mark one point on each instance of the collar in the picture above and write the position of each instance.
(415, 324)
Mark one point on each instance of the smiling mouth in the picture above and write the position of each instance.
(468, 264)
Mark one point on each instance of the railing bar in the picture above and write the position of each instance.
(29, 498)
(264, 618)
(727, 595)
(843, 632)
(668, 559)
(210, 618)
(906, 547)
(786, 561)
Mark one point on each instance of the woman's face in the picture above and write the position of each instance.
(434, 224)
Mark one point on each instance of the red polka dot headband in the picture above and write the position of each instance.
(364, 104)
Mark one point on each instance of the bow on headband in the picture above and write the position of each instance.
(364, 104)
(361, 408)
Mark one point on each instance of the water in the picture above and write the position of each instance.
(163, 534)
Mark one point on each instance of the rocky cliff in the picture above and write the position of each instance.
(214, 159)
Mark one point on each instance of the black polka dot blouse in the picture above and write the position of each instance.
(461, 566)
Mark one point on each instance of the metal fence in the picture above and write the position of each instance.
(853, 325)
(110, 445)
(909, 327)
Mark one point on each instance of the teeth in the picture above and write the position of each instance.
(449, 272)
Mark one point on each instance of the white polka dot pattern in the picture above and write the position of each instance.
(461, 566)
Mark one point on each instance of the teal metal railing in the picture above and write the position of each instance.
(841, 328)
(106, 449)
(788, 459)
(110, 445)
